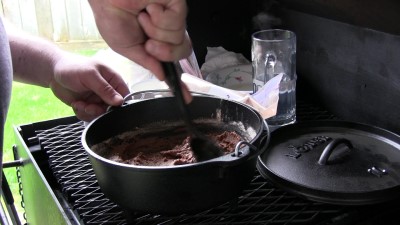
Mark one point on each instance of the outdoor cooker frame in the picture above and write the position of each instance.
(261, 203)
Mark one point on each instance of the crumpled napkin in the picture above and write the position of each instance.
(219, 58)
(265, 100)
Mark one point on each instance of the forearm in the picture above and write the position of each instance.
(33, 58)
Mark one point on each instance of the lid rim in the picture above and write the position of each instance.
(382, 144)
(329, 197)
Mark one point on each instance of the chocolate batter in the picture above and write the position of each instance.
(166, 148)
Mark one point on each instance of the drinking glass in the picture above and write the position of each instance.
(273, 53)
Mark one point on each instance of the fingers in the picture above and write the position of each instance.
(109, 86)
(166, 18)
(116, 82)
(167, 52)
(87, 112)
(139, 5)
(165, 28)
(128, 5)
(157, 32)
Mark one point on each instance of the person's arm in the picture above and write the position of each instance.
(88, 86)
(145, 31)
(33, 58)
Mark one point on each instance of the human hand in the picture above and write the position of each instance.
(145, 31)
(88, 86)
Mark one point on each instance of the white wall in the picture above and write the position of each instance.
(57, 20)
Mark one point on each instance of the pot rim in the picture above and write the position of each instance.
(223, 160)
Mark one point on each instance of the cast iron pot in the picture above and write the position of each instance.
(182, 188)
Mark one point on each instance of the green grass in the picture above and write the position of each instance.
(30, 104)
(87, 52)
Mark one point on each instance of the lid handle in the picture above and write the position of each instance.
(323, 159)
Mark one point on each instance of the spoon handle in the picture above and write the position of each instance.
(173, 81)
(203, 148)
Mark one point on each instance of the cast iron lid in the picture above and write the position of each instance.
(334, 162)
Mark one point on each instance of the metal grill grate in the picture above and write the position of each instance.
(261, 203)
(73, 171)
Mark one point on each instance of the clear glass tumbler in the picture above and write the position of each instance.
(274, 53)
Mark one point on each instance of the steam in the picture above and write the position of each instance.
(265, 19)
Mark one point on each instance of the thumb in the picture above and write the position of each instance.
(110, 86)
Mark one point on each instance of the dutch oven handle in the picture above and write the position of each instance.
(148, 94)
(323, 159)
(239, 155)
(263, 144)
(237, 152)
(141, 96)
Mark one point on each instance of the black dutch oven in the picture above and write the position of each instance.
(182, 188)
(336, 162)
